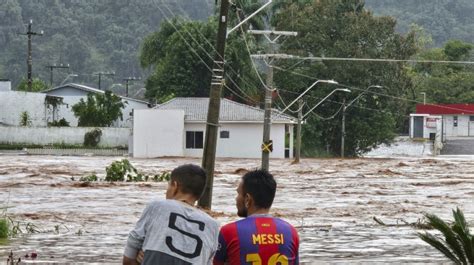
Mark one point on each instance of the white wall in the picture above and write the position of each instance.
(5, 86)
(245, 140)
(111, 137)
(13, 103)
(461, 130)
(158, 133)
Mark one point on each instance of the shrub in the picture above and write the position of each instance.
(3, 228)
(60, 123)
(89, 178)
(92, 138)
(25, 119)
(119, 169)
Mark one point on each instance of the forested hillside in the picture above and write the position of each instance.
(443, 19)
(91, 36)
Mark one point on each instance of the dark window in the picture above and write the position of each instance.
(225, 134)
(455, 121)
(471, 118)
(194, 140)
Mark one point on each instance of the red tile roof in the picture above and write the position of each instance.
(440, 109)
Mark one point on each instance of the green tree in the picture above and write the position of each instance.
(37, 85)
(346, 29)
(99, 110)
(458, 242)
(178, 54)
(445, 83)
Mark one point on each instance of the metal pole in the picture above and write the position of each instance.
(298, 131)
(30, 58)
(100, 75)
(210, 142)
(343, 128)
(126, 87)
(50, 76)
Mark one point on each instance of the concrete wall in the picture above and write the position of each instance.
(158, 133)
(111, 137)
(5, 85)
(13, 103)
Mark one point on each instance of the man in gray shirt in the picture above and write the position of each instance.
(173, 231)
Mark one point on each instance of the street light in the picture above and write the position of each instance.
(322, 100)
(301, 117)
(344, 108)
(304, 92)
(424, 97)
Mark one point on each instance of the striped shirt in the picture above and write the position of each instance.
(258, 239)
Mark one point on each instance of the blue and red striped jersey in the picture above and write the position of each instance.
(258, 240)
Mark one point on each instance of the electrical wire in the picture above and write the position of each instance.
(196, 53)
(205, 51)
(376, 93)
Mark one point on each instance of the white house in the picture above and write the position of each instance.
(177, 128)
(457, 120)
(73, 93)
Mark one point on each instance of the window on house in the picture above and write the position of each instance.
(225, 134)
(471, 118)
(194, 139)
(455, 121)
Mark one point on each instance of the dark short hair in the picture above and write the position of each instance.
(191, 179)
(261, 185)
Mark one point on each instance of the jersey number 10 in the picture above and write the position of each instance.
(275, 259)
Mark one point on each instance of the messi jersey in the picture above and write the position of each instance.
(258, 240)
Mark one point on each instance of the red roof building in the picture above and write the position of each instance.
(445, 109)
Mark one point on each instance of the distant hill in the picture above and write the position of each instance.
(91, 36)
(443, 19)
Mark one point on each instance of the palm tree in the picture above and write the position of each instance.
(458, 243)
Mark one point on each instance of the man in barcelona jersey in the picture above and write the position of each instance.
(259, 239)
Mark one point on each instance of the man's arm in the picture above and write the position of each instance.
(129, 261)
(221, 255)
(136, 238)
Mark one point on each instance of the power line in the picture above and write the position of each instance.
(202, 60)
(374, 92)
(314, 58)
(203, 49)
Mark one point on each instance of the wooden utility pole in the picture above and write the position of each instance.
(343, 127)
(51, 68)
(298, 131)
(100, 74)
(267, 121)
(29, 61)
(127, 80)
(217, 82)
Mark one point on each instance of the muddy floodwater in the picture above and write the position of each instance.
(331, 202)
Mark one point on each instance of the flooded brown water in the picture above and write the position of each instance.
(331, 202)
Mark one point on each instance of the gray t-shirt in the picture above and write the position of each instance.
(171, 232)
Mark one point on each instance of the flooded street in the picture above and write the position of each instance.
(332, 203)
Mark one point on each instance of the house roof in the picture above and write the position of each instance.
(196, 110)
(88, 89)
(440, 109)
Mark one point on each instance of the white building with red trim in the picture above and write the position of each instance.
(455, 120)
